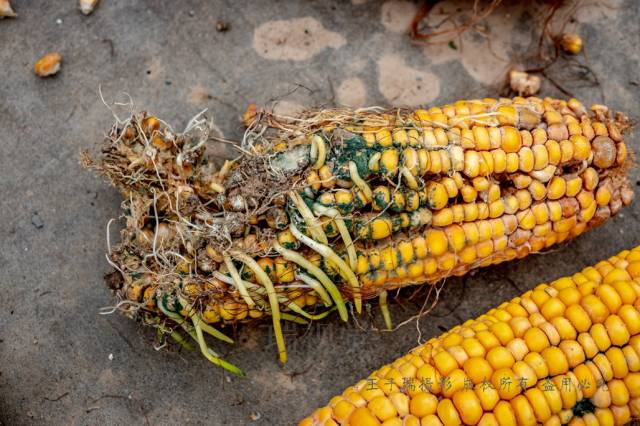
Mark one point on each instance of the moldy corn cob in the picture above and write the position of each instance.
(567, 352)
(339, 205)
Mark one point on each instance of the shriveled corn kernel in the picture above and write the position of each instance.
(570, 43)
(48, 65)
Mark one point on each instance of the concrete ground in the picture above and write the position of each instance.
(61, 362)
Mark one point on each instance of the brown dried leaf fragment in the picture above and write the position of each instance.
(48, 65)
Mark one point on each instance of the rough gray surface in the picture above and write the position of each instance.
(63, 363)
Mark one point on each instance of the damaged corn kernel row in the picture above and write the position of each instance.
(342, 206)
(537, 154)
(567, 352)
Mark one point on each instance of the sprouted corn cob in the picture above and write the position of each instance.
(567, 352)
(339, 206)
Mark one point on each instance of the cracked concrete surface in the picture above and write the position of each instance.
(63, 363)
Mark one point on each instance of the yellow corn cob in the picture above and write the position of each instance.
(567, 352)
(339, 206)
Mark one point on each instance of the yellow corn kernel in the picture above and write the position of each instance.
(380, 228)
(507, 115)
(526, 159)
(511, 140)
(437, 195)
(424, 159)
(573, 187)
(436, 241)
(471, 163)
(469, 194)
(581, 147)
(556, 188)
(389, 161)
(468, 406)
(481, 138)
(554, 151)
(450, 186)
(383, 138)
(567, 151)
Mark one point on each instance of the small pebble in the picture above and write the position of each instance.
(37, 221)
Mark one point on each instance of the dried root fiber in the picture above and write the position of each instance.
(336, 206)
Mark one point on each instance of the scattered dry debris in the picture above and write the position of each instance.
(87, 6)
(48, 65)
(222, 26)
(570, 43)
(524, 83)
(5, 10)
